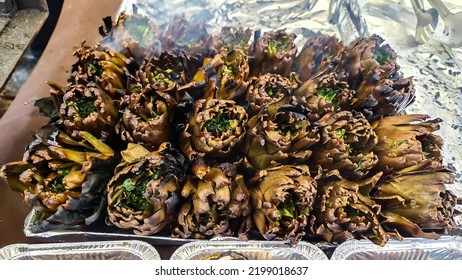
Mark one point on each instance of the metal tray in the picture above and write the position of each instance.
(445, 248)
(250, 250)
(345, 19)
(97, 230)
(109, 250)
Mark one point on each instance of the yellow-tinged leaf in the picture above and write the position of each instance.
(74, 179)
(99, 145)
(134, 152)
(72, 155)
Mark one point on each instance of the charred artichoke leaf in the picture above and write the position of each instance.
(144, 194)
(282, 199)
(217, 202)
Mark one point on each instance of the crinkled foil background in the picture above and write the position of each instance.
(435, 67)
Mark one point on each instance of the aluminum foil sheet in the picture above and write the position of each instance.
(108, 250)
(445, 248)
(229, 249)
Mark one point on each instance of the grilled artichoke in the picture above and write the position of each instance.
(366, 54)
(215, 129)
(147, 108)
(346, 145)
(105, 67)
(371, 70)
(282, 199)
(416, 202)
(133, 35)
(274, 53)
(218, 202)
(320, 54)
(341, 212)
(62, 178)
(377, 98)
(86, 107)
(267, 89)
(231, 38)
(224, 77)
(181, 35)
(324, 94)
(144, 194)
(280, 134)
(407, 140)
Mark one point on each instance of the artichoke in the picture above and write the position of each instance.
(371, 70)
(218, 202)
(267, 89)
(225, 76)
(148, 105)
(341, 212)
(377, 98)
(274, 52)
(366, 54)
(86, 107)
(164, 73)
(103, 66)
(231, 38)
(133, 35)
(280, 134)
(346, 145)
(407, 140)
(282, 199)
(180, 35)
(320, 54)
(215, 129)
(324, 94)
(144, 193)
(62, 178)
(416, 202)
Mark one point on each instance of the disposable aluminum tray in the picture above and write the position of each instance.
(445, 248)
(251, 250)
(108, 250)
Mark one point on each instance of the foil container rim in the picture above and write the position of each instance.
(140, 249)
(307, 250)
(354, 246)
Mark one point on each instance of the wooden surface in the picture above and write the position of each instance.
(79, 20)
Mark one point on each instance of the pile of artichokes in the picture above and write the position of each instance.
(174, 131)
